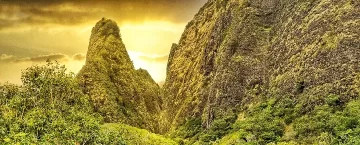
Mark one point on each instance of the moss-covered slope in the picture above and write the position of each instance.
(235, 54)
(118, 91)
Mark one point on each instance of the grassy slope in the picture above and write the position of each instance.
(132, 135)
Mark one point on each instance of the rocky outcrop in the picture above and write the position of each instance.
(236, 52)
(117, 91)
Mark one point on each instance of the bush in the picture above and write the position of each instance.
(218, 128)
(48, 108)
(338, 126)
(191, 127)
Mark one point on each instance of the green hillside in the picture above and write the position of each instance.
(252, 72)
(130, 135)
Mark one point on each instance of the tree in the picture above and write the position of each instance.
(49, 107)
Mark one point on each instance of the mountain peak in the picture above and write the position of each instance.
(106, 27)
(113, 84)
(105, 41)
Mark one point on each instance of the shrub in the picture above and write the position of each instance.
(48, 108)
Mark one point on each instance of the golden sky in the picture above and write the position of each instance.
(32, 32)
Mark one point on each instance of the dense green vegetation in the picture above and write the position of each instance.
(118, 91)
(284, 122)
(50, 108)
(288, 70)
(244, 72)
(114, 133)
(281, 121)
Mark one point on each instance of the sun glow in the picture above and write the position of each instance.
(148, 45)
(151, 37)
(152, 40)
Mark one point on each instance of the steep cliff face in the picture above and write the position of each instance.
(118, 91)
(235, 53)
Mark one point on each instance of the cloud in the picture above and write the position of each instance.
(79, 57)
(14, 65)
(5, 58)
(158, 59)
(15, 13)
(43, 58)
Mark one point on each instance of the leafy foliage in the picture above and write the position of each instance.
(113, 133)
(331, 126)
(289, 69)
(262, 125)
(218, 129)
(48, 108)
(282, 122)
(189, 129)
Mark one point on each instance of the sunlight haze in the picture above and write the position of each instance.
(31, 33)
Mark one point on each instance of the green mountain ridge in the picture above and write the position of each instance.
(243, 72)
(248, 49)
(295, 55)
(118, 91)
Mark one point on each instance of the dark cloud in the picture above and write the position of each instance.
(154, 58)
(18, 13)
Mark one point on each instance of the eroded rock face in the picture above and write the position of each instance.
(235, 52)
(118, 91)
